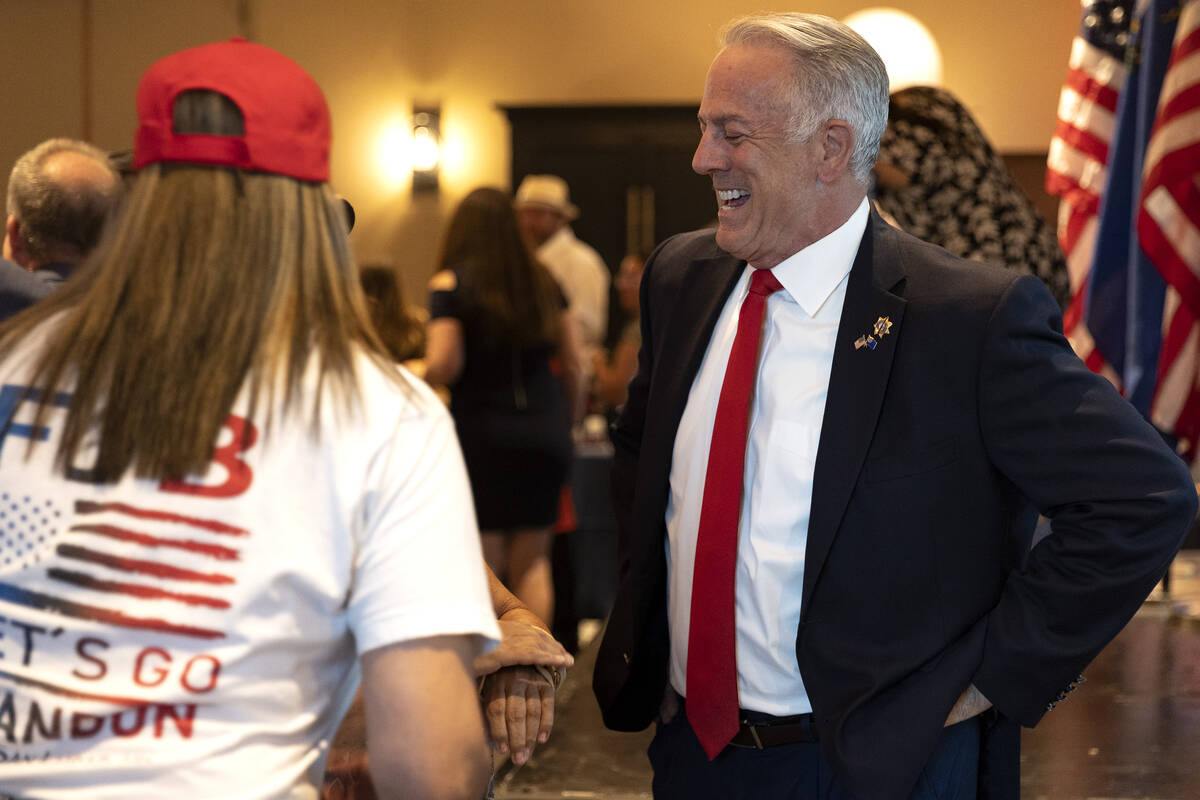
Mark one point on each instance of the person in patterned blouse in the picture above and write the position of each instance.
(938, 178)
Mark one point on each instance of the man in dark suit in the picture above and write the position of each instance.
(59, 195)
(826, 589)
(19, 288)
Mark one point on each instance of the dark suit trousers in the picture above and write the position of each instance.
(796, 771)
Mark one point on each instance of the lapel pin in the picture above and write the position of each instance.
(883, 326)
(865, 341)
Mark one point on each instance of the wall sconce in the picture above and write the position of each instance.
(907, 48)
(426, 149)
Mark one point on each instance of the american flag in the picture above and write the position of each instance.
(1168, 227)
(1077, 165)
(1124, 160)
(142, 568)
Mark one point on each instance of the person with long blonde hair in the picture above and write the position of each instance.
(227, 497)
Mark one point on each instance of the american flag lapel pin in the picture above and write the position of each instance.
(865, 341)
(882, 327)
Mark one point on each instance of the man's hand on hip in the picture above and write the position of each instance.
(971, 703)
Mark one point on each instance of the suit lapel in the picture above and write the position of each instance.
(857, 382)
(703, 292)
(686, 330)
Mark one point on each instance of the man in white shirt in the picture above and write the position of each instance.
(823, 465)
(544, 212)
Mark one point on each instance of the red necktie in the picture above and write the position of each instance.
(712, 697)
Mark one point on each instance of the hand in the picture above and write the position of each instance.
(971, 703)
(519, 705)
(523, 644)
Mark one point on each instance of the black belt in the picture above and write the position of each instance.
(760, 730)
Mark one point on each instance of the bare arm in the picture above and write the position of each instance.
(570, 353)
(612, 379)
(424, 686)
(527, 639)
(519, 698)
(508, 606)
(443, 351)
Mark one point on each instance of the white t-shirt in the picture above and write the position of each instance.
(201, 640)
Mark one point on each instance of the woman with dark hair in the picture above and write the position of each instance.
(498, 330)
(518, 679)
(400, 328)
(613, 372)
(224, 496)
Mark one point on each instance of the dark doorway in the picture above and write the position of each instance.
(629, 169)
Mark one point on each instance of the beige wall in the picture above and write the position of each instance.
(374, 58)
(41, 91)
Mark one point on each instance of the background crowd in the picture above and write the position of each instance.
(367, 487)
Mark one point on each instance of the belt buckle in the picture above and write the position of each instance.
(754, 735)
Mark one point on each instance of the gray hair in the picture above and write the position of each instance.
(60, 222)
(838, 76)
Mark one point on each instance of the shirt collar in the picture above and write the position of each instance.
(563, 234)
(811, 275)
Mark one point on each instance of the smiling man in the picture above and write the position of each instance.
(827, 461)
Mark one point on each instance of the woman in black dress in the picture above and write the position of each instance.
(501, 338)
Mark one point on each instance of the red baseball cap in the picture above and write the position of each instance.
(286, 118)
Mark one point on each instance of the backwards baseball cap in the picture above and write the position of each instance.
(286, 118)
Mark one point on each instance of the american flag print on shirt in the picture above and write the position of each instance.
(135, 556)
(146, 567)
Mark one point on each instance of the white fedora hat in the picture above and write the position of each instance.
(549, 191)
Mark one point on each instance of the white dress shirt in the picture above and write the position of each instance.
(584, 279)
(795, 358)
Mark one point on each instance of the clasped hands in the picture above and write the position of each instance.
(518, 698)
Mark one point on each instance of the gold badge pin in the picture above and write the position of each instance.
(883, 326)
